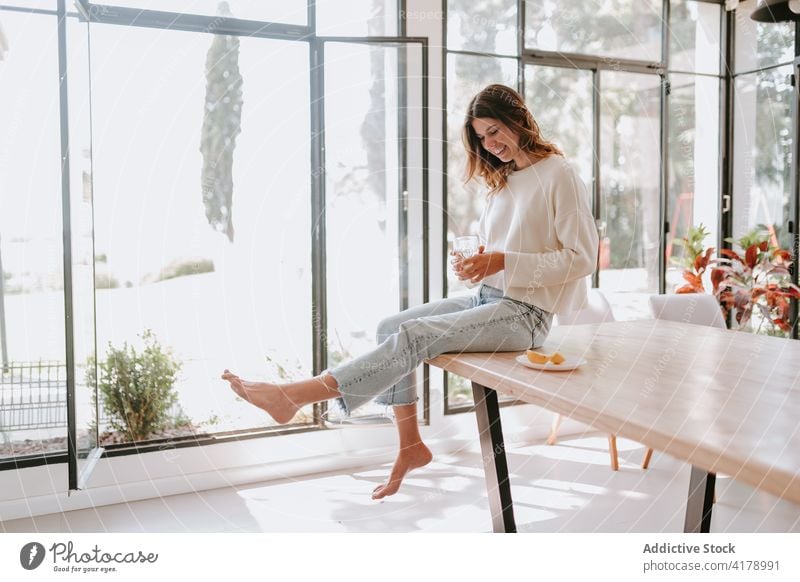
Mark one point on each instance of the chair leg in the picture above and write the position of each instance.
(551, 440)
(612, 451)
(647, 456)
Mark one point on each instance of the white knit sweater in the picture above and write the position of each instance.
(543, 222)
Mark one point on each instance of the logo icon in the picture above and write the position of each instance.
(31, 555)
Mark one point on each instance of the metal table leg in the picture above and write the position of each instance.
(498, 487)
(700, 501)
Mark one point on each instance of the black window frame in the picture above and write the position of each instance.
(596, 64)
(103, 14)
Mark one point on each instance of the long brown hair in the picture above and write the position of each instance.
(503, 103)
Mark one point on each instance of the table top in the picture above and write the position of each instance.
(725, 401)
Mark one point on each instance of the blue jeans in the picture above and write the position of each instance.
(484, 322)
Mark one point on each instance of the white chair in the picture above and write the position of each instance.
(695, 308)
(597, 309)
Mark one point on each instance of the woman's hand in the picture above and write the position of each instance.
(478, 267)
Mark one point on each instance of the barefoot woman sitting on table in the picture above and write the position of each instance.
(540, 245)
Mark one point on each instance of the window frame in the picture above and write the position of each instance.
(102, 14)
(727, 170)
(596, 64)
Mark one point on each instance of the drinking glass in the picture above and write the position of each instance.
(465, 246)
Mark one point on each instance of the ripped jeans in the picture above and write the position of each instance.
(484, 322)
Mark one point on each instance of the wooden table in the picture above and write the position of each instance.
(724, 401)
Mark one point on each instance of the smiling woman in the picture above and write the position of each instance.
(498, 121)
(541, 245)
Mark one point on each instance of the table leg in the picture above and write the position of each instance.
(700, 501)
(498, 487)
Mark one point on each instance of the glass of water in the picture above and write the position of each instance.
(465, 246)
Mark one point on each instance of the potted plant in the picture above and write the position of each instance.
(696, 260)
(755, 282)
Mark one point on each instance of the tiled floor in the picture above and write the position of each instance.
(565, 488)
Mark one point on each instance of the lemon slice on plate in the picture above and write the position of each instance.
(554, 362)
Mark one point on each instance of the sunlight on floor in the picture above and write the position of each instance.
(568, 487)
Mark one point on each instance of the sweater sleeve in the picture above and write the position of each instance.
(576, 233)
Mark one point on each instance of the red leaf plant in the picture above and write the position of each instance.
(695, 262)
(755, 281)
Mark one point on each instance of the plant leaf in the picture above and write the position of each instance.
(783, 254)
(693, 279)
(751, 256)
(717, 276)
(731, 254)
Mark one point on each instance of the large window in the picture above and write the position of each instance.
(694, 36)
(360, 18)
(194, 211)
(596, 79)
(560, 100)
(693, 172)
(763, 147)
(205, 245)
(630, 158)
(33, 387)
(760, 44)
(487, 26)
(693, 120)
(624, 29)
(467, 74)
(762, 125)
(369, 131)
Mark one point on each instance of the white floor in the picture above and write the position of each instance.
(565, 488)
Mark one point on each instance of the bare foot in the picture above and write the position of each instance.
(268, 397)
(412, 457)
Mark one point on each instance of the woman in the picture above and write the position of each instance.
(540, 244)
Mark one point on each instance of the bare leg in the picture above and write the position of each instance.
(282, 401)
(413, 452)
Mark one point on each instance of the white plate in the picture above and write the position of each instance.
(569, 363)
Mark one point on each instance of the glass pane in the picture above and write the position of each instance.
(286, 11)
(466, 75)
(81, 230)
(629, 187)
(627, 29)
(488, 26)
(694, 36)
(360, 18)
(693, 176)
(364, 85)
(33, 387)
(561, 102)
(202, 214)
(762, 149)
(761, 44)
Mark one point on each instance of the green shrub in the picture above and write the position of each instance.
(137, 388)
